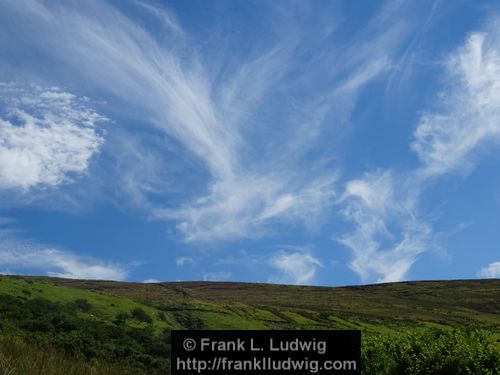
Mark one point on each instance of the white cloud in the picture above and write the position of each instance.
(216, 276)
(388, 236)
(447, 139)
(239, 208)
(294, 268)
(165, 17)
(24, 256)
(46, 136)
(491, 271)
(151, 281)
(182, 261)
(59, 263)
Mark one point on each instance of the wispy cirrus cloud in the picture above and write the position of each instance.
(20, 256)
(297, 267)
(447, 139)
(388, 235)
(215, 108)
(389, 232)
(238, 208)
(182, 261)
(47, 136)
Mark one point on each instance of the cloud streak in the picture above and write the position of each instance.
(446, 140)
(294, 268)
(22, 256)
(388, 235)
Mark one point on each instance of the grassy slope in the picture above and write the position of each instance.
(374, 309)
(105, 307)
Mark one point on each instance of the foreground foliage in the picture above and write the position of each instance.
(432, 352)
(19, 358)
(67, 330)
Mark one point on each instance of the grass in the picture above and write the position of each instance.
(105, 306)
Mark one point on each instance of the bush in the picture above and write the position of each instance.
(121, 318)
(188, 320)
(162, 316)
(432, 352)
(141, 315)
(82, 305)
(41, 323)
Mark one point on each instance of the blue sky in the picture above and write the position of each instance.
(300, 142)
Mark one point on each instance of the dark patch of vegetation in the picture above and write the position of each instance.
(41, 322)
(17, 357)
(188, 320)
(82, 305)
(162, 316)
(121, 318)
(140, 315)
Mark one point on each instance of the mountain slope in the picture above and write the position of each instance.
(372, 308)
(88, 327)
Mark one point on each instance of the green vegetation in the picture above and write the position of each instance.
(432, 352)
(64, 327)
(59, 326)
(19, 358)
(141, 316)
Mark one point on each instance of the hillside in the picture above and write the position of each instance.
(132, 320)
(371, 308)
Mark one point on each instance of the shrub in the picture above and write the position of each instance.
(162, 316)
(82, 305)
(188, 320)
(141, 315)
(121, 318)
(431, 352)
(42, 323)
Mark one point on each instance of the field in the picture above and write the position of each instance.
(94, 327)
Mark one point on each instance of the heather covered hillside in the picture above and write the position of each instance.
(117, 327)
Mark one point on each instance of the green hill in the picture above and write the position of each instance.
(119, 327)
